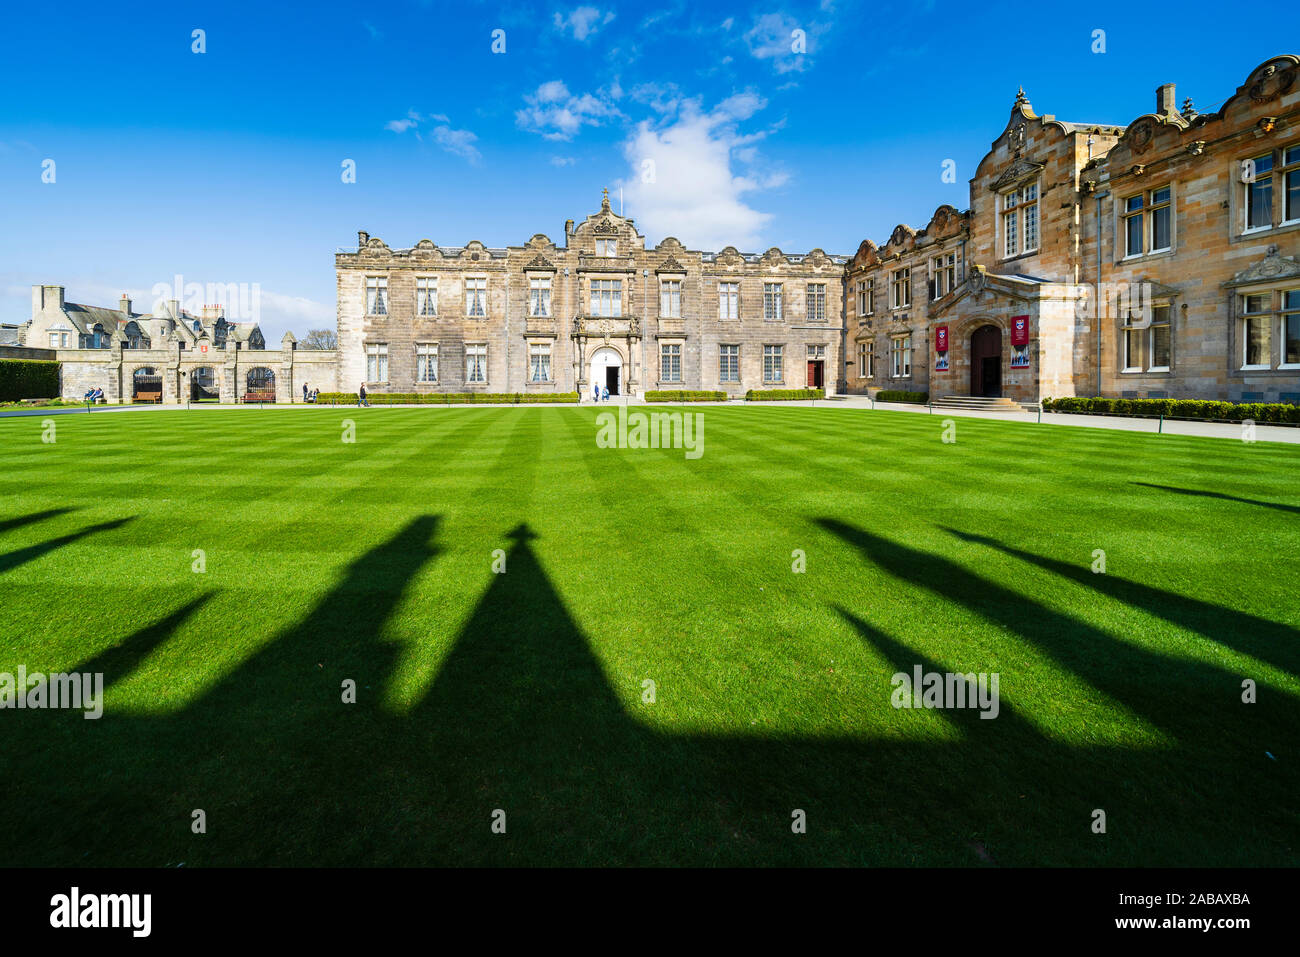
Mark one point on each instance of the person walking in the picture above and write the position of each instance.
(361, 398)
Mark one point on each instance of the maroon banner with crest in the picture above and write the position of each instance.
(1020, 330)
(941, 339)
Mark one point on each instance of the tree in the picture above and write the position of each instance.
(320, 339)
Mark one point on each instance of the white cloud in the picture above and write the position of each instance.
(582, 22)
(773, 36)
(563, 161)
(705, 174)
(458, 142)
(557, 114)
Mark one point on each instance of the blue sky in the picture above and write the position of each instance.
(225, 167)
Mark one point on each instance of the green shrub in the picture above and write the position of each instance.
(28, 379)
(1209, 410)
(782, 395)
(684, 396)
(898, 395)
(449, 398)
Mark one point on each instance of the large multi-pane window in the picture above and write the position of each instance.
(476, 362)
(606, 247)
(728, 300)
(539, 362)
(1290, 327)
(670, 362)
(1020, 220)
(1268, 178)
(426, 362)
(476, 296)
(816, 302)
(376, 362)
(900, 288)
(900, 357)
(607, 297)
(539, 296)
(670, 298)
(376, 296)
(866, 359)
(1256, 316)
(773, 306)
(1148, 222)
(1160, 338)
(773, 364)
(943, 274)
(729, 363)
(426, 296)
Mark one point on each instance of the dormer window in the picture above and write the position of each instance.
(607, 247)
(1020, 220)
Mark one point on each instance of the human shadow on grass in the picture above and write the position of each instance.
(18, 521)
(21, 556)
(522, 718)
(1202, 493)
(1269, 641)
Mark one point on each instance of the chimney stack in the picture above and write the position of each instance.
(46, 297)
(363, 237)
(175, 306)
(125, 304)
(1166, 104)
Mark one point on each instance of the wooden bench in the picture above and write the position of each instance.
(259, 396)
(149, 395)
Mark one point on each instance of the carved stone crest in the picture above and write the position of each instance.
(1272, 83)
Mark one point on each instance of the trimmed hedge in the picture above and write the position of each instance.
(898, 395)
(448, 398)
(782, 395)
(28, 379)
(667, 395)
(1204, 409)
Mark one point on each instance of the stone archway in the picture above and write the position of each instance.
(986, 361)
(607, 370)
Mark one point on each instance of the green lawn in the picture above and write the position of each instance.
(523, 691)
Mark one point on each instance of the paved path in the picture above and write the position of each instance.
(1221, 430)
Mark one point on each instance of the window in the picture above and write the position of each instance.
(670, 362)
(1148, 222)
(59, 340)
(607, 297)
(1259, 192)
(772, 307)
(1158, 357)
(1020, 220)
(376, 296)
(670, 298)
(539, 362)
(866, 360)
(606, 247)
(539, 297)
(728, 300)
(1290, 328)
(1291, 185)
(426, 296)
(476, 297)
(772, 364)
(1131, 345)
(376, 362)
(476, 362)
(816, 302)
(943, 274)
(426, 362)
(729, 363)
(900, 357)
(861, 290)
(871, 296)
(900, 288)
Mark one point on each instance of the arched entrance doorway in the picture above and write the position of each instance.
(261, 385)
(146, 385)
(203, 385)
(607, 370)
(986, 361)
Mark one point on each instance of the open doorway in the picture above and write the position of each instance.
(986, 361)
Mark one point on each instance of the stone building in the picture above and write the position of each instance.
(172, 354)
(1156, 259)
(599, 308)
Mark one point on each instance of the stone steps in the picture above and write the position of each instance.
(978, 403)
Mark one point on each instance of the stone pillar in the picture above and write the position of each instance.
(228, 374)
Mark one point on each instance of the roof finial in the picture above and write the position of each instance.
(1020, 96)
(604, 201)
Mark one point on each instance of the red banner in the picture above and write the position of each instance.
(941, 339)
(1020, 330)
